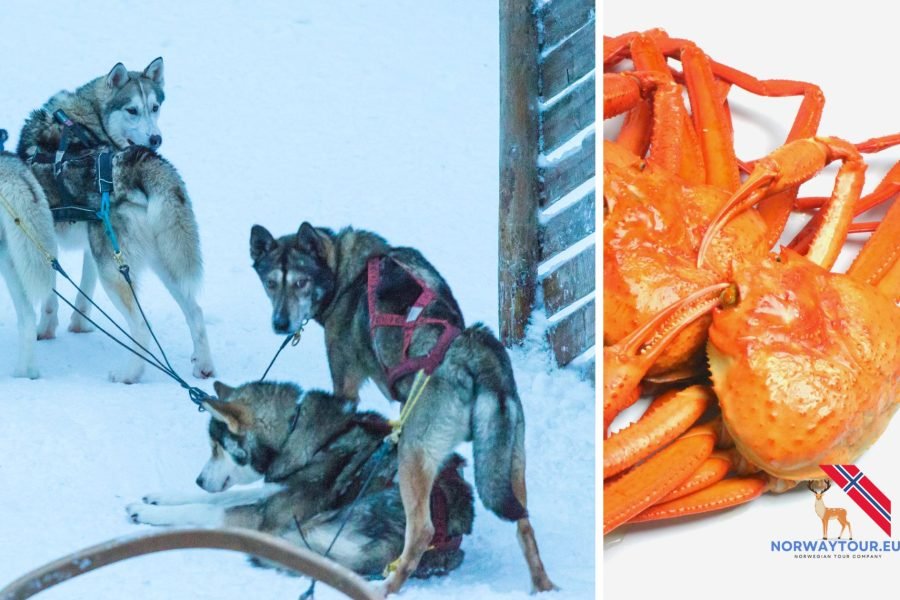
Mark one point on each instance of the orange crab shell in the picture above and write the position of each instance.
(806, 366)
(651, 236)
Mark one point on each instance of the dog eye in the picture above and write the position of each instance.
(131, 111)
(271, 284)
(156, 108)
(300, 283)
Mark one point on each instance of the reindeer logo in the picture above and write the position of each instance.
(827, 514)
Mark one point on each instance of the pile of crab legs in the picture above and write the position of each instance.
(769, 363)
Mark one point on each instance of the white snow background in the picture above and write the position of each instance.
(380, 115)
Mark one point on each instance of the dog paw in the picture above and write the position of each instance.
(137, 513)
(383, 590)
(26, 372)
(47, 333)
(203, 369)
(79, 324)
(46, 329)
(126, 376)
(163, 499)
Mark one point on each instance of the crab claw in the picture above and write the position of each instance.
(626, 363)
(788, 167)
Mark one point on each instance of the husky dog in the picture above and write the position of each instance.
(322, 275)
(150, 209)
(26, 270)
(119, 110)
(314, 451)
(153, 220)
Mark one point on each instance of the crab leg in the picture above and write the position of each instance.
(616, 49)
(621, 92)
(713, 470)
(867, 227)
(789, 166)
(674, 143)
(669, 416)
(878, 144)
(636, 131)
(633, 491)
(890, 283)
(666, 127)
(877, 262)
(710, 120)
(724, 494)
(626, 363)
(887, 187)
(776, 208)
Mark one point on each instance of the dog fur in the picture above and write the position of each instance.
(321, 275)
(313, 472)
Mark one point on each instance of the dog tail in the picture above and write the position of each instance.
(498, 432)
(23, 194)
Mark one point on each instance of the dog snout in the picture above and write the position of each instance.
(155, 141)
(200, 482)
(281, 324)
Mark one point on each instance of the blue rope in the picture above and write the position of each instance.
(103, 213)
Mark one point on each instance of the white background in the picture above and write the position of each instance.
(380, 115)
(850, 50)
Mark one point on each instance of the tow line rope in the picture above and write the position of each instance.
(293, 338)
(196, 395)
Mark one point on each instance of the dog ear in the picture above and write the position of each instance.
(235, 416)
(154, 71)
(222, 390)
(117, 76)
(309, 238)
(261, 242)
(226, 413)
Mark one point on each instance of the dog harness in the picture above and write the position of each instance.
(72, 208)
(440, 518)
(408, 323)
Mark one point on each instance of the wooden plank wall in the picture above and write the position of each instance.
(547, 165)
(519, 148)
(566, 64)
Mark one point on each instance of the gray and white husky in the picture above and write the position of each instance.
(24, 267)
(120, 109)
(315, 452)
(150, 210)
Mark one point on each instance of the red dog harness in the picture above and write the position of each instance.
(408, 323)
(440, 518)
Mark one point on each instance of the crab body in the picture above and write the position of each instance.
(806, 366)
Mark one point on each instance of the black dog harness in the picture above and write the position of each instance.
(72, 208)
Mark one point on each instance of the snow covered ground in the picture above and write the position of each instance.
(381, 115)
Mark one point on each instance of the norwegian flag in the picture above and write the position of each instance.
(862, 491)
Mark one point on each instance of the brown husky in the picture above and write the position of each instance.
(471, 395)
